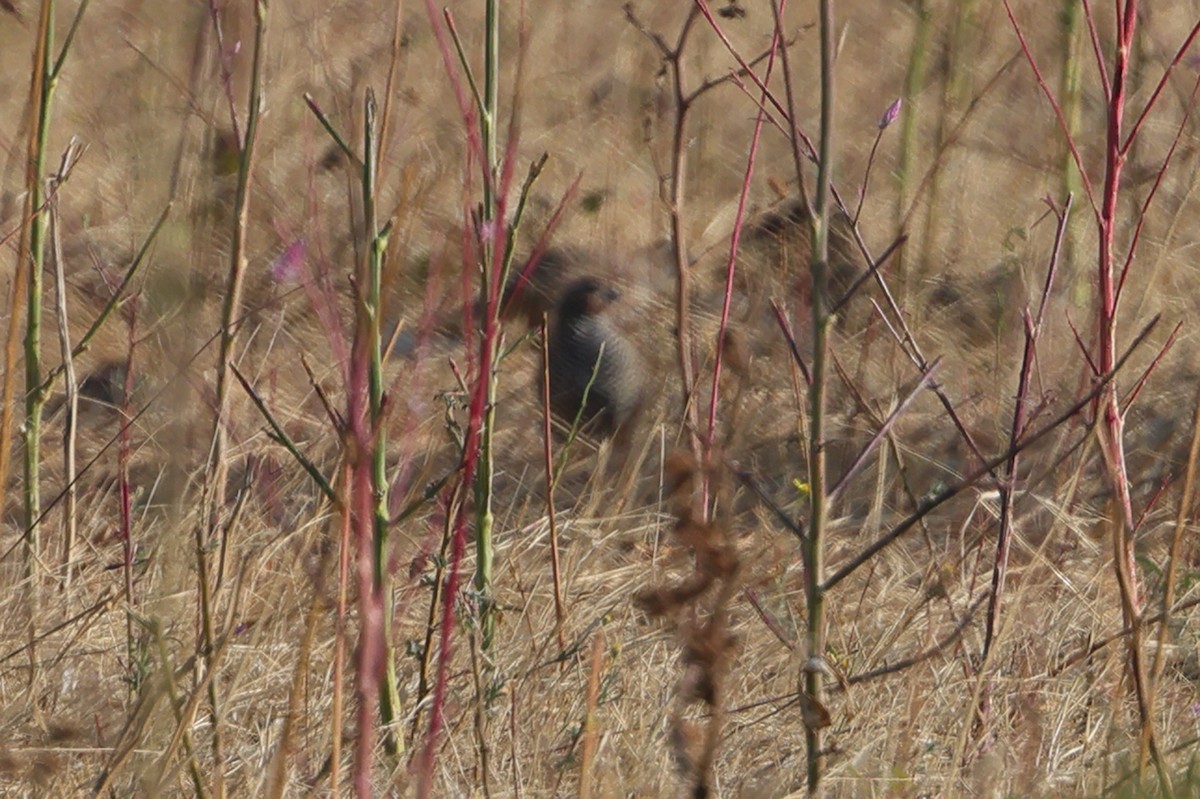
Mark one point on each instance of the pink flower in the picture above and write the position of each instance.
(890, 115)
(488, 231)
(286, 268)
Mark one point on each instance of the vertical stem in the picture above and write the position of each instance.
(1020, 421)
(484, 518)
(913, 81)
(954, 95)
(491, 99)
(31, 248)
(217, 468)
(1109, 409)
(231, 307)
(731, 265)
(125, 438)
(551, 482)
(1109, 400)
(682, 283)
(588, 748)
(69, 382)
(438, 584)
(339, 646)
(41, 89)
(381, 585)
(679, 164)
(682, 100)
(1071, 43)
(813, 679)
(370, 649)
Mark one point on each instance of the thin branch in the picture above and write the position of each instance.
(1058, 112)
(876, 265)
(937, 648)
(281, 437)
(1158, 178)
(1097, 50)
(1162, 82)
(949, 493)
(781, 320)
(883, 430)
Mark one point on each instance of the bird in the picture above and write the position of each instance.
(596, 374)
(535, 287)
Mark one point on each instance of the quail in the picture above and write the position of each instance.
(596, 374)
(533, 291)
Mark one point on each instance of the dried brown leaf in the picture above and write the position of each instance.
(815, 715)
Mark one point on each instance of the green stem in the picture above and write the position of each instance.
(954, 96)
(914, 80)
(389, 696)
(42, 90)
(118, 295)
(491, 95)
(484, 518)
(813, 679)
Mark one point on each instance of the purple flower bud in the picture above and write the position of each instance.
(488, 231)
(889, 116)
(286, 268)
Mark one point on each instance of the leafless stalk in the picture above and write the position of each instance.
(588, 754)
(1110, 281)
(217, 466)
(1020, 421)
(71, 387)
(941, 497)
(551, 482)
(683, 97)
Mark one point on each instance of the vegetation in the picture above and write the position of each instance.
(909, 510)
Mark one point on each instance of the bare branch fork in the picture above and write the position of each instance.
(989, 466)
(1020, 421)
(684, 98)
(1109, 284)
(804, 150)
(1017, 429)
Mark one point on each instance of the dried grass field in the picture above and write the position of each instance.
(283, 510)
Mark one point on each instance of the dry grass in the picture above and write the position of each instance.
(1061, 724)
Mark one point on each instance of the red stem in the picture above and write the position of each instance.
(731, 267)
